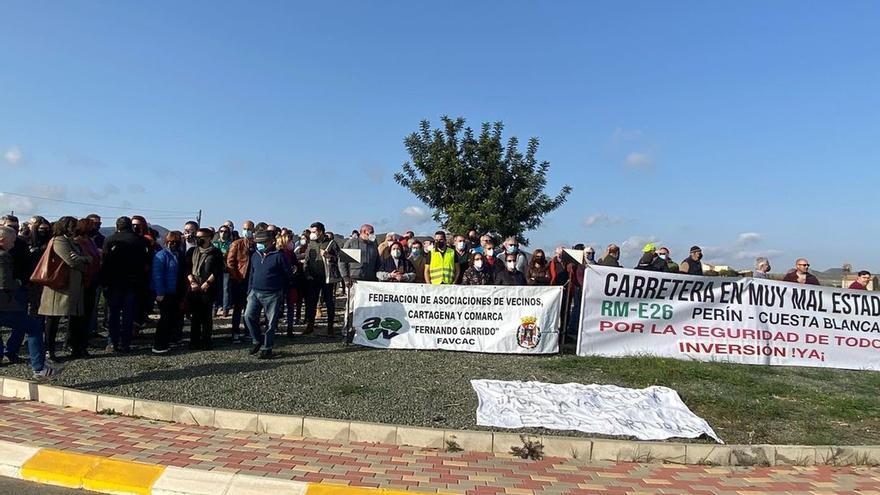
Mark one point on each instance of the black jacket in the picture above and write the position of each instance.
(213, 263)
(507, 277)
(126, 261)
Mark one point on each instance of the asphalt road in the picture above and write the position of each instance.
(9, 486)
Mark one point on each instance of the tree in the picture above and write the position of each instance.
(475, 182)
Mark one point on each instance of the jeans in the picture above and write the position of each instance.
(13, 343)
(121, 302)
(225, 301)
(21, 324)
(574, 319)
(256, 301)
(238, 295)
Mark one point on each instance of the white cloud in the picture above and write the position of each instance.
(748, 238)
(13, 156)
(621, 135)
(639, 160)
(598, 219)
(416, 214)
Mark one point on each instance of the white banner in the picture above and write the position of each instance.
(741, 320)
(519, 320)
(653, 413)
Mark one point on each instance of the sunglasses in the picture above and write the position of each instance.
(803, 264)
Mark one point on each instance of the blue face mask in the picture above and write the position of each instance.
(417, 252)
(249, 234)
(261, 247)
(512, 249)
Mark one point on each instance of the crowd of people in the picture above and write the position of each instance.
(62, 271)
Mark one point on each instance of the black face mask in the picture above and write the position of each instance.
(173, 246)
(204, 242)
(441, 245)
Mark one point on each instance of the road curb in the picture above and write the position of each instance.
(583, 448)
(107, 475)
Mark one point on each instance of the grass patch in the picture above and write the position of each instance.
(347, 389)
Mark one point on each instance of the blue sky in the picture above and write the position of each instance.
(747, 128)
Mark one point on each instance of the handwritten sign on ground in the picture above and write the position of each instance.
(653, 413)
(742, 320)
(520, 320)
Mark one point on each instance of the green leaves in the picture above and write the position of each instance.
(477, 182)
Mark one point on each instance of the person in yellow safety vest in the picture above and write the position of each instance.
(441, 268)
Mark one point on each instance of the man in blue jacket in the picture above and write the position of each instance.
(269, 277)
(166, 280)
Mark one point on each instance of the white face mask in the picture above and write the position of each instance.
(371, 237)
(313, 236)
(460, 246)
(478, 264)
(511, 265)
(490, 252)
(429, 248)
(395, 254)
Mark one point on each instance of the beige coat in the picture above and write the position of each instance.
(69, 301)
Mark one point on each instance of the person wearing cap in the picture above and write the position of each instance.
(692, 264)
(269, 277)
(611, 256)
(801, 273)
(650, 260)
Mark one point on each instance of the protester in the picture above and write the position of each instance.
(189, 235)
(611, 256)
(13, 311)
(204, 272)
(557, 267)
(370, 256)
(385, 245)
(223, 243)
(124, 274)
(478, 273)
(396, 268)
(510, 275)
(692, 264)
(801, 273)
(292, 296)
(269, 278)
(862, 282)
(167, 278)
(539, 269)
(23, 264)
(511, 246)
(462, 255)
(589, 255)
(650, 260)
(321, 262)
(78, 334)
(762, 267)
(237, 265)
(418, 260)
(441, 268)
(67, 301)
(95, 235)
(671, 266)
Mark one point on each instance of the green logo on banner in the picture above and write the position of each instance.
(387, 328)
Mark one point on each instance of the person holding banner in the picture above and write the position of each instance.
(862, 282)
(692, 264)
(762, 267)
(396, 268)
(510, 275)
(801, 273)
(441, 268)
(611, 256)
(418, 260)
(479, 273)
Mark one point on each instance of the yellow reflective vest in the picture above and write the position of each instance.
(442, 267)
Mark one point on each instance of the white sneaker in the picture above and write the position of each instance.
(47, 373)
(159, 351)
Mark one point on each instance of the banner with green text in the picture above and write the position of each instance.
(518, 320)
(742, 320)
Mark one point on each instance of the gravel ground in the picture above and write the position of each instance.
(310, 375)
(320, 377)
